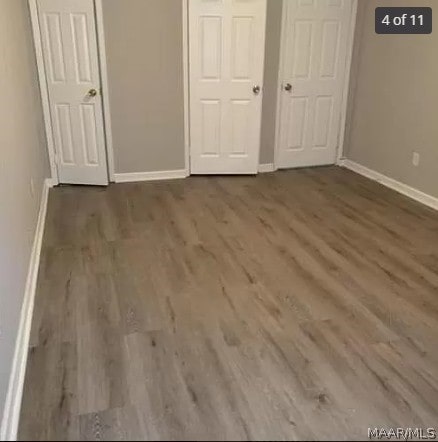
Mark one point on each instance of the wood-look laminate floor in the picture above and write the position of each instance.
(293, 305)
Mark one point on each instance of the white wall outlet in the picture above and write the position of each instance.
(416, 159)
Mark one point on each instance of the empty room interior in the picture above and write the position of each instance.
(218, 220)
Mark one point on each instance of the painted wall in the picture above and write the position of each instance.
(393, 100)
(270, 87)
(145, 70)
(145, 74)
(23, 158)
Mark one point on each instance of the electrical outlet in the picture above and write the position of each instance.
(32, 187)
(416, 159)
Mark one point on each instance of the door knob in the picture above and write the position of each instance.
(256, 90)
(288, 87)
(92, 93)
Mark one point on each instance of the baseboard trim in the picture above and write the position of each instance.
(268, 167)
(50, 182)
(11, 413)
(393, 184)
(151, 176)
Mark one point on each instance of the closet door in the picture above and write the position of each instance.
(313, 71)
(68, 34)
(227, 41)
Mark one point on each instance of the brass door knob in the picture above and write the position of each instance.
(288, 87)
(256, 90)
(92, 92)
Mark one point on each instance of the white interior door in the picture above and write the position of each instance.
(314, 54)
(227, 41)
(69, 40)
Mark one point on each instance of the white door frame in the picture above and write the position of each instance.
(346, 88)
(45, 92)
(186, 80)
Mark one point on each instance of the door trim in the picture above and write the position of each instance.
(101, 48)
(186, 81)
(346, 86)
(45, 91)
(186, 84)
(346, 91)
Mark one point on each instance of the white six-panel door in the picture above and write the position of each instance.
(315, 41)
(68, 34)
(226, 45)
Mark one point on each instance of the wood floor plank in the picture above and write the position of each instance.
(295, 305)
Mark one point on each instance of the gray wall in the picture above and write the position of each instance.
(393, 100)
(23, 158)
(145, 70)
(270, 86)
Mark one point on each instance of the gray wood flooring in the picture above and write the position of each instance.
(293, 305)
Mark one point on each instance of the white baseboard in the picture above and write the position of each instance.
(151, 176)
(406, 190)
(268, 167)
(11, 413)
(170, 174)
(50, 182)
